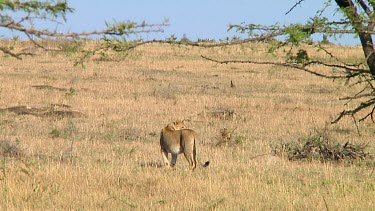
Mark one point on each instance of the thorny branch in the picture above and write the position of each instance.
(109, 31)
(313, 29)
(135, 44)
(16, 55)
(112, 31)
(295, 5)
(285, 64)
(20, 17)
(320, 47)
(209, 45)
(352, 112)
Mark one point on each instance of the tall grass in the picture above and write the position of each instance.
(110, 159)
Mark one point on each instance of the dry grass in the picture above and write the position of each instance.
(110, 158)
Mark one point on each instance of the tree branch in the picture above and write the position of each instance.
(335, 58)
(283, 64)
(109, 31)
(205, 45)
(297, 3)
(357, 70)
(356, 110)
(15, 55)
(358, 96)
(365, 7)
(369, 13)
(60, 8)
(372, 4)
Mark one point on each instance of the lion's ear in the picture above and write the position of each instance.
(186, 120)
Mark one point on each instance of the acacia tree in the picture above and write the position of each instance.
(358, 18)
(33, 13)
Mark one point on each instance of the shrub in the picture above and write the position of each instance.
(9, 148)
(319, 146)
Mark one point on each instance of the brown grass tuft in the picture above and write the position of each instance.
(10, 148)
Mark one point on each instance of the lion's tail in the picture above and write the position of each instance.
(205, 164)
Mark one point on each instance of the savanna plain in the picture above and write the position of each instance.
(101, 149)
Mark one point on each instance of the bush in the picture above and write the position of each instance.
(10, 149)
(320, 147)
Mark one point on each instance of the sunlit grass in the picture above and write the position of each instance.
(111, 158)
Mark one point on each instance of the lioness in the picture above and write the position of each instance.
(175, 138)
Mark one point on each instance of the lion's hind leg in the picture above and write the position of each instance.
(174, 159)
(190, 157)
(165, 157)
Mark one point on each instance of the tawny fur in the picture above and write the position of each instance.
(175, 138)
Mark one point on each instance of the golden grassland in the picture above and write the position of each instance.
(110, 159)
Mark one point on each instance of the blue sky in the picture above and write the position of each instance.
(195, 18)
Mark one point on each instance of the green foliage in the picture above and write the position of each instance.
(325, 40)
(239, 139)
(71, 92)
(172, 38)
(123, 27)
(296, 34)
(21, 15)
(114, 44)
(55, 133)
(206, 40)
(66, 132)
(120, 46)
(301, 57)
(52, 9)
(184, 39)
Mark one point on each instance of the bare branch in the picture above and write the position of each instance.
(335, 58)
(356, 126)
(298, 3)
(372, 114)
(313, 29)
(35, 43)
(283, 64)
(355, 110)
(366, 116)
(109, 31)
(358, 96)
(207, 45)
(357, 70)
(6, 51)
(15, 55)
